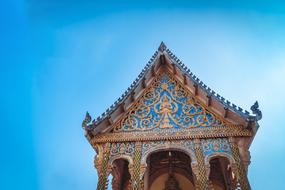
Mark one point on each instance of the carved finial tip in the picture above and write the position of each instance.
(254, 106)
(86, 120)
(162, 47)
(255, 110)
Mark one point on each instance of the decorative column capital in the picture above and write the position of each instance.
(197, 143)
(232, 140)
(138, 144)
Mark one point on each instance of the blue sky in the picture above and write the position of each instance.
(62, 58)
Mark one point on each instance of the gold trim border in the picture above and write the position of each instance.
(213, 132)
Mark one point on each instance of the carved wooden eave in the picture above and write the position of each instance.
(171, 135)
(164, 61)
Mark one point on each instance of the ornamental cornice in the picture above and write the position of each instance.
(213, 132)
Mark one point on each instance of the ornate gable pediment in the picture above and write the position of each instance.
(166, 98)
(167, 110)
(167, 105)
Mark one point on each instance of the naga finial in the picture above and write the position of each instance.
(255, 110)
(162, 47)
(86, 120)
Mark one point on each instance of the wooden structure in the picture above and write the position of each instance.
(170, 131)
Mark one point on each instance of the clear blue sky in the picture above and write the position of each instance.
(62, 58)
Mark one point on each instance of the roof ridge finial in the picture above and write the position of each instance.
(162, 47)
(86, 120)
(255, 110)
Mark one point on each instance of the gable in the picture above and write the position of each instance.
(168, 102)
(167, 105)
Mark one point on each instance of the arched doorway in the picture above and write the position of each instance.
(221, 176)
(169, 170)
(121, 178)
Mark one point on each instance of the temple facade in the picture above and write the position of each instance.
(169, 131)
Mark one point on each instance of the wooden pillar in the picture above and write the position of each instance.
(136, 169)
(238, 168)
(103, 168)
(200, 169)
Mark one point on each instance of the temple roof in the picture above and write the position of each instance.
(162, 55)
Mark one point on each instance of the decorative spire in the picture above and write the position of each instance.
(162, 47)
(255, 110)
(86, 120)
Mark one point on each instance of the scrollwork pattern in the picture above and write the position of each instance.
(186, 146)
(166, 104)
(125, 148)
(210, 146)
